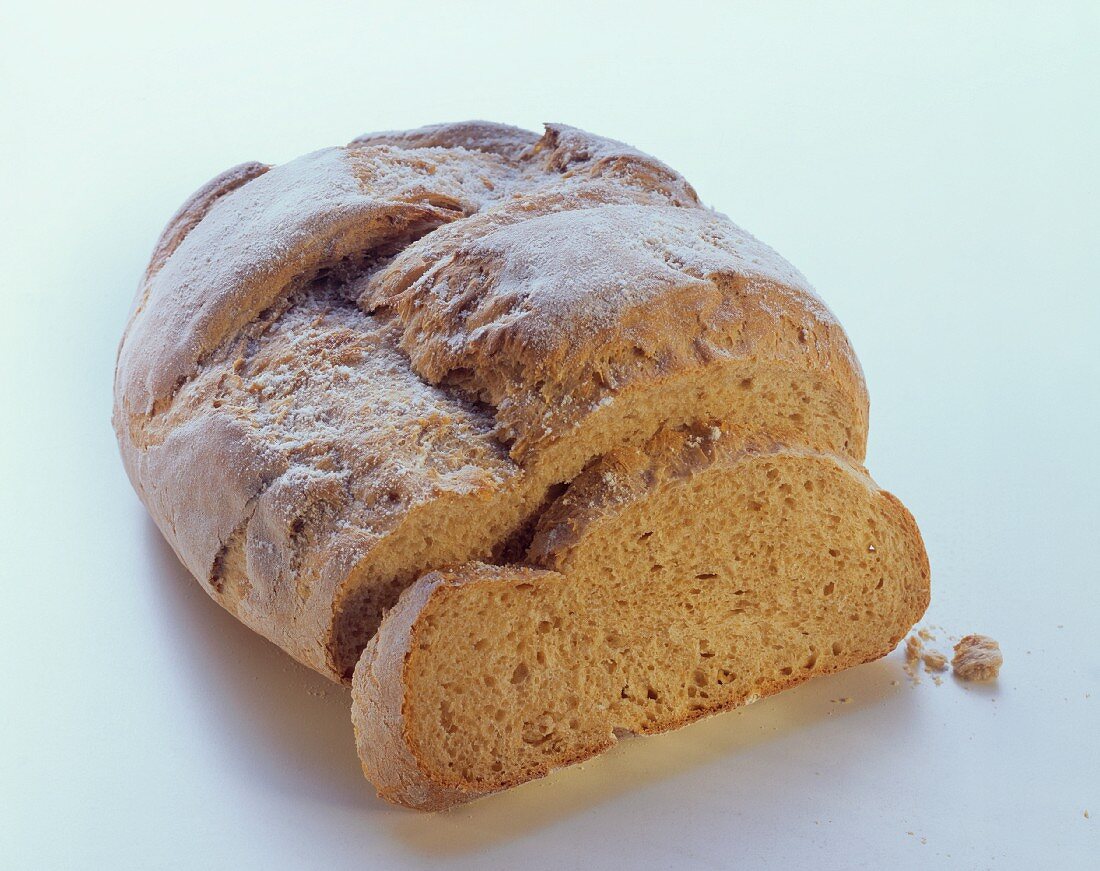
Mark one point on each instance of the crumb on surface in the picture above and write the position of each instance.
(978, 658)
(934, 661)
(913, 649)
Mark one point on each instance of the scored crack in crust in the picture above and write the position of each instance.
(383, 359)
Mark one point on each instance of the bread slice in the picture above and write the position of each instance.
(700, 572)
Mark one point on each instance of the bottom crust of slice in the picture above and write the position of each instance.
(673, 583)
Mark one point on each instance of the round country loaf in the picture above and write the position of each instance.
(393, 357)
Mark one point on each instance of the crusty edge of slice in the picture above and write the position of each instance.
(378, 693)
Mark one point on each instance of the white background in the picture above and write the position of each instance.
(932, 167)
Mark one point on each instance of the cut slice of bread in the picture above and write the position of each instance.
(695, 574)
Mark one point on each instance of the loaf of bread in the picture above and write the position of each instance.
(517, 434)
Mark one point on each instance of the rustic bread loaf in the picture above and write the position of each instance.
(412, 353)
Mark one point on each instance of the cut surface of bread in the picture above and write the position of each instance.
(670, 582)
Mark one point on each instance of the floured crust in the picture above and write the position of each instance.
(327, 353)
(546, 315)
(502, 139)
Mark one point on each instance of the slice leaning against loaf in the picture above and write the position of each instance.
(698, 573)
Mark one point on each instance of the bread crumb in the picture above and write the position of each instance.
(934, 661)
(913, 650)
(1086, 815)
(926, 635)
(977, 657)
